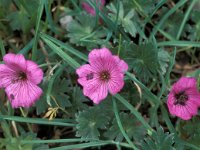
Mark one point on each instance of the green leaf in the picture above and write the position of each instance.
(41, 105)
(90, 121)
(159, 141)
(190, 131)
(60, 88)
(24, 18)
(145, 7)
(125, 21)
(77, 100)
(15, 143)
(128, 24)
(143, 59)
(83, 31)
(164, 59)
(131, 125)
(19, 20)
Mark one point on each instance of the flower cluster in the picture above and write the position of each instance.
(184, 98)
(104, 74)
(20, 77)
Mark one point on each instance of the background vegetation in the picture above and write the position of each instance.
(159, 39)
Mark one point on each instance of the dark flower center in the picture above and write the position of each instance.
(90, 76)
(181, 98)
(22, 76)
(104, 75)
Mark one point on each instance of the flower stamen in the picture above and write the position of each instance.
(105, 76)
(22, 76)
(181, 98)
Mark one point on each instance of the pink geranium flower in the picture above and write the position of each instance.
(103, 74)
(90, 9)
(20, 77)
(184, 98)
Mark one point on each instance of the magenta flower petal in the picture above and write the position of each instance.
(90, 9)
(96, 56)
(5, 76)
(116, 83)
(20, 77)
(34, 73)
(84, 73)
(122, 64)
(97, 92)
(15, 62)
(184, 99)
(184, 83)
(23, 94)
(104, 74)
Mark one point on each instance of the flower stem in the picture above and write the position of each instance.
(24, 115)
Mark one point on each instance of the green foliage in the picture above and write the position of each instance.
(132, 127)
(77, 100)
(190, 130)
(173, 24)
(85, 31)
(23, 18)
(58, 96)
(143, 59)
(15, 143)
(91, 121)
(159, 141)
(125, 20)
(142, 32)
(59, 93)
(145, 7)
(164, 59)
(195, 29)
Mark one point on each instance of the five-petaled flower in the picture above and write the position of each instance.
(105, 72)
(184, 98)
(90, 9)
(20, 77)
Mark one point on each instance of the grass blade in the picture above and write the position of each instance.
(65, 46)
(185, 18)
(148, 93)
(133, 111)
(3, 51)
(180, 43)
(121, 126)
(73, 63)
(166, 16)
(36, 121)
(39, 15)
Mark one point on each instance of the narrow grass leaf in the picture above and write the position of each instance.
(65, 46)
(180, 43)
(72, 62)
(35, 121)
(134, 111)
(3, 51)
(148, 93)
(185, 18)
(121, 126)
(39, 15)
(27, 48)
(166, 16)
